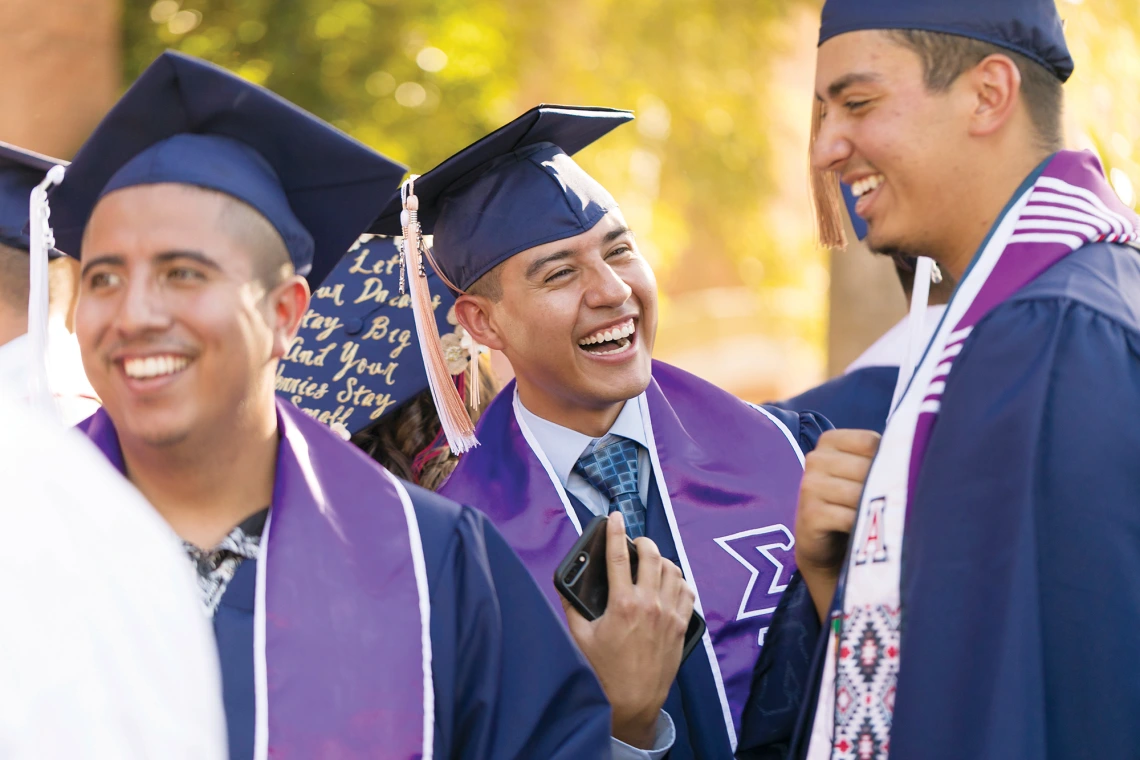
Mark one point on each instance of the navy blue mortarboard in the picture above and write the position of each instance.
(356, 357)
(1030, 27)
(20, 171)
(189, 122)
(512, 190)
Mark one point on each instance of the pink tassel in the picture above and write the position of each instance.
(453, 416)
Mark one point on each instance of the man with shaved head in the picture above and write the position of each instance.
(355, 615)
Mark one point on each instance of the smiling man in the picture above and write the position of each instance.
(551, 275)
(355, 616)
(987, 605)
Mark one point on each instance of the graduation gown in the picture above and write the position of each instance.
(508, 681)
(860, 399)
(1022, 545)
(694, 701)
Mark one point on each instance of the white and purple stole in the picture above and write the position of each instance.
(342, 646)
(728, 474)
(1064, 205)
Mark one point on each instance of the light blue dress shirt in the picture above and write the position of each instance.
(562, 447)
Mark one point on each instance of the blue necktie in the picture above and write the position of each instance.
(611, 467)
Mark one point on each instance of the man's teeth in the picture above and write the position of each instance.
(866, 185)
(623, 344)
(613, 333)
(154, 366)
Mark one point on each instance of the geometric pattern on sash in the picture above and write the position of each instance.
(865, 683)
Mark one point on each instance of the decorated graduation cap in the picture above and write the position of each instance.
(20, 171)
(1029, 27)
(189, 122)
(356, 357)
(515, 189)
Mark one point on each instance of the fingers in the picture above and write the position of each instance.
(841, 464)
(828, 518)
(863, 443)
(828, 489)
(617, 556)
(649, 565)
(578, 625)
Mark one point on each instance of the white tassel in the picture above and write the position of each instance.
(453, 416)
(916, 324)
(42, 240)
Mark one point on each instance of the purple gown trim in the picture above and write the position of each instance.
(343, 631)
(729, 479)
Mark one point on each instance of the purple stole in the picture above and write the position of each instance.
(729, 477)
(342, 652)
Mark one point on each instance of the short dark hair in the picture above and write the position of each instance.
(945, 57)
(489, 286)
(272, 263)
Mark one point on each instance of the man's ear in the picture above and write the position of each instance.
(995, 91)
(289, 301)
(475, 313)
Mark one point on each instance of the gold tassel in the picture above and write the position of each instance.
(826, 194)
(453, 416)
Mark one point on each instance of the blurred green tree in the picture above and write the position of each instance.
(712, 175)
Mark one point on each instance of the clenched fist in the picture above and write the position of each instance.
(834, 474)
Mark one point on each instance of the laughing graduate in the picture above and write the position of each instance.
(355, 616)
(988, 605)
(550, 273)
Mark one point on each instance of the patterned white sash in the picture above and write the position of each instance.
(1066, 206)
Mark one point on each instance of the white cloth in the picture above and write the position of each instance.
(73, 394)
(562, 447)
(889, 349)
(104, 651)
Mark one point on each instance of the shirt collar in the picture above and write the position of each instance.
(563, 446)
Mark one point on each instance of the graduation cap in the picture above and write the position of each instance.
(189, 122)
(1029, 27)
(356, 357)
(515, 189)
(20, 171)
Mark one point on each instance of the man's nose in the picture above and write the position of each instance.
(607, 288)
(831, 147)
(142, 308)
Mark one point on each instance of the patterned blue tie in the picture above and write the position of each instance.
(611, 467)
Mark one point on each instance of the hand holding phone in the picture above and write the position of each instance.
(629, 610)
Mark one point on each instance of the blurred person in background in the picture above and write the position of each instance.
(20, 171)
(550, 274)
(104, 652)
(861, 397)
(409, 441)
(355, 615)
(987, 603)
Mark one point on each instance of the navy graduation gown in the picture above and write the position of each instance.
(1022, 544)
(861, 399)
(693, 703)
(1022, 548)
(490, 624)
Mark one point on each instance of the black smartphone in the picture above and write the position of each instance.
(583, 580)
